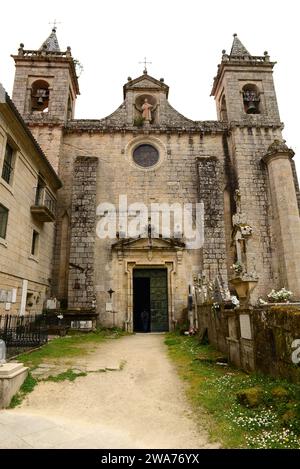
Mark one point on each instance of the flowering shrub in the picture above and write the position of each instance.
(280, 295)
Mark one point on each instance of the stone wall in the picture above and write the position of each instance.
(17, 264)
(258, 339)
(174, 181)
(247, 146)
(50, 140)
(83, 228)
(211, 193)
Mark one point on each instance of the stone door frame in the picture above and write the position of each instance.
(130, 265)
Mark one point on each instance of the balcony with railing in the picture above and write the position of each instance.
(44, 208)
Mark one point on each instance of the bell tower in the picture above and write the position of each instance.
(45, 91)
(243, 88)
(264, 174)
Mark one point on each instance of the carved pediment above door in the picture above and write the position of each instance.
(146, 244)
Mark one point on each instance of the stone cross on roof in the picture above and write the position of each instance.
(145, 65)
(51, 43)
(54, 24)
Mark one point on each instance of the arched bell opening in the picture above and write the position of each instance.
(40, 96)
(251, 99)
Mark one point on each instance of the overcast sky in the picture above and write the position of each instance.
(183, 40)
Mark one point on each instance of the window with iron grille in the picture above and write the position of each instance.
(34, 244)
(7, 164)
(3, 221)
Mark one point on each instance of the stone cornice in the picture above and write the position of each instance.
(278, 150)
(261, 123)
(96, 126)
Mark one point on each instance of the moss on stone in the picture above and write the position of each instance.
(251, 397)
(280, 393)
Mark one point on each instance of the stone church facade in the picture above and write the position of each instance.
(237, 168)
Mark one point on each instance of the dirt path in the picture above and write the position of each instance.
(140, 406)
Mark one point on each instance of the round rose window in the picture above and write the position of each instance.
(145, 155)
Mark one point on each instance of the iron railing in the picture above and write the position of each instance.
(23, 331)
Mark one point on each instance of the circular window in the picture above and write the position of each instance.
(145, 155)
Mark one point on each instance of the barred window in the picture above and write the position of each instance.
(8, 164)
(3, 221)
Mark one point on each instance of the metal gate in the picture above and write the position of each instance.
(23, 331)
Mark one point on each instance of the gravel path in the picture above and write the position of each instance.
(139, 404)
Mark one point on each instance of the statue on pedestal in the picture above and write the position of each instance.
(146, 110)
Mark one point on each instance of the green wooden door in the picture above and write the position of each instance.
(159, 321)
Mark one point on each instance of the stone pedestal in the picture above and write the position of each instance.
(12, 376)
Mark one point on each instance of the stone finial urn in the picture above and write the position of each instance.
(244, 284)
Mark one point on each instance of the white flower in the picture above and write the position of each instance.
(262, 302)
(280, 295)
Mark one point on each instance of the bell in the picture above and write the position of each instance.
(40, 100)
(251, 108)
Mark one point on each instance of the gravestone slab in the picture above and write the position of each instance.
(245, 326)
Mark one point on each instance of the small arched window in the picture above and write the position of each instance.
(223, 109)
(40, 96)
(70, 108)
(251, 99)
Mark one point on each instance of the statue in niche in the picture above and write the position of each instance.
(146, 110)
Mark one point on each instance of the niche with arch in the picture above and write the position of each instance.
(140, 101)
(223, 109)
(251, 99)
(40, 96)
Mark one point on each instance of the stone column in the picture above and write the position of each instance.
(286, 214)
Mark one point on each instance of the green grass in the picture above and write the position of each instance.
(69, 375)
(73, 345)
(27, 387)
(212, 390)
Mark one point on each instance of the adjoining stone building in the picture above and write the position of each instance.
(28, 187)
(237, 166)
